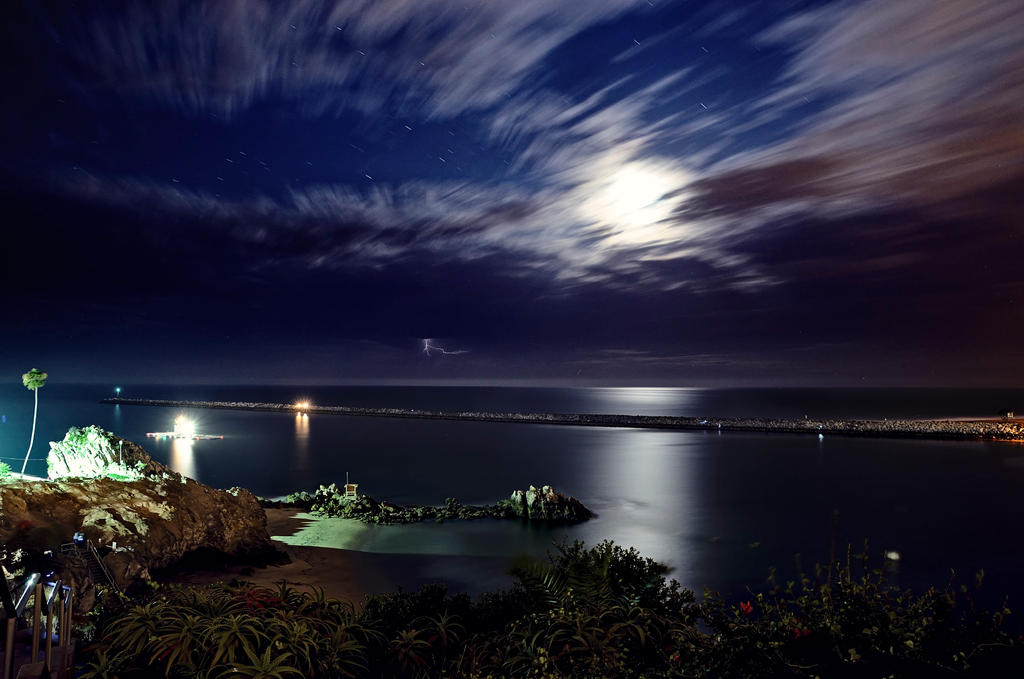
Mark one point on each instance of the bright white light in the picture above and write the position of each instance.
(183, 427)
(634, 199)
(635, 195)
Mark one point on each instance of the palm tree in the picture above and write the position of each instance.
(33, 379)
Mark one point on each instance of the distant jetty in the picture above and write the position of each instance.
(967, 429)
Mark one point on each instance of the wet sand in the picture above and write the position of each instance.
(343, 574)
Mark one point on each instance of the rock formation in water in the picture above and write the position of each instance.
(155, 518)
(533, 504)
(544, 504)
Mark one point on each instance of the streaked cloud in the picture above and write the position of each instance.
(625, 181)
(927, 103)
(223, 56)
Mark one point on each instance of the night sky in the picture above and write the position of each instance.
(603, 191)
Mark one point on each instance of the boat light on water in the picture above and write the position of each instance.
(184, 428)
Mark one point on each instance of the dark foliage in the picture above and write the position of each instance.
(600, 612)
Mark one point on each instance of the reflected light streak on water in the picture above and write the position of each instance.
(644, 400)
(183, 458)
(651, 493)
(300, 460)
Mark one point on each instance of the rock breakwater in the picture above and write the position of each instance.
(533, 504)
(991, 429)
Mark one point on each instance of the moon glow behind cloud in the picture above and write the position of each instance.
(623, 188)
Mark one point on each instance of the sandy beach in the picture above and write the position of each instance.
(315, 560)
(341, 573)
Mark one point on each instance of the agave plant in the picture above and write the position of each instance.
(443, 631)
(410, 651)
(345, 655)
(212, 601)
(106, 664)
(136, 630)
(301, 637)
(266, 665)
(179, 641)
(235, 635)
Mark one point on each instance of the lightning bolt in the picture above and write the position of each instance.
(429, 348)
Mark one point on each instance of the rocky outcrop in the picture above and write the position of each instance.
(150, 521)
(543, 504)
(91, 452)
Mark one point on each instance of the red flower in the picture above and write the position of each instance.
(746, 607)
(797, 632)
(254, 599)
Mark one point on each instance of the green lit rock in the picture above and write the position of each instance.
(91, 452)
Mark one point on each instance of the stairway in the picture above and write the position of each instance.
(90, 557)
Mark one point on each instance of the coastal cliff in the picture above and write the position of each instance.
(142, 514)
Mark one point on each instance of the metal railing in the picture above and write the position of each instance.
(103, 567)
(52, 600)
(88, 556)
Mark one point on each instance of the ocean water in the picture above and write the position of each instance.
(719, 508)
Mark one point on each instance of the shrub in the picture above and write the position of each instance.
(599, 612)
